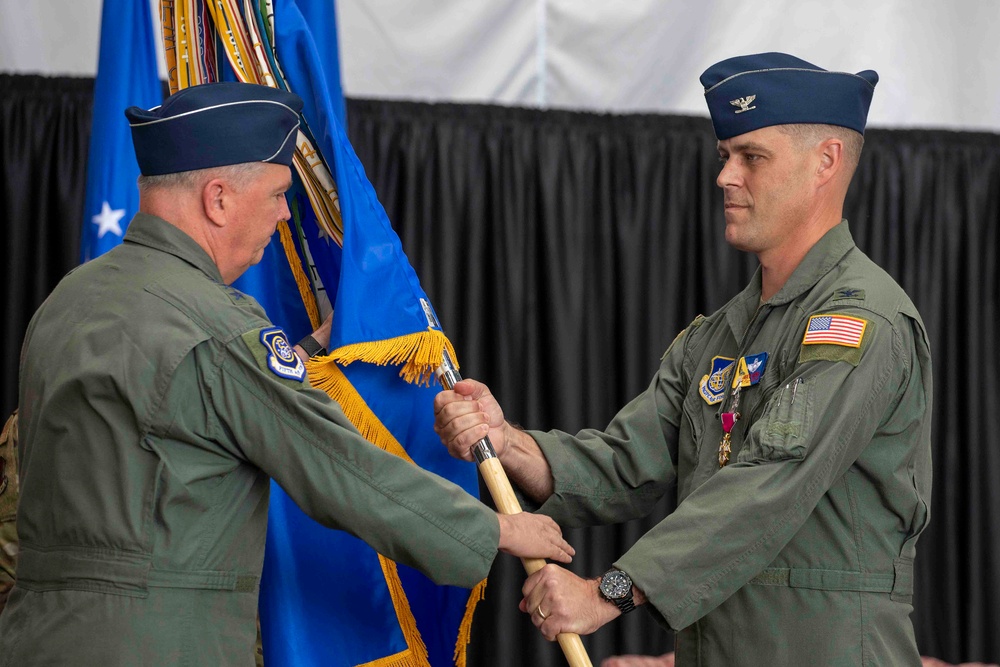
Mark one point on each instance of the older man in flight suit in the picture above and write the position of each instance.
(795, 420)
(156, 401)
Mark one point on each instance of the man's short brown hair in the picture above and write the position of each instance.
(810, 134)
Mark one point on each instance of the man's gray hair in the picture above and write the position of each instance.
(809, 134)
(239, 174)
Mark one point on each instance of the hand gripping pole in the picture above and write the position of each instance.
(503, 495)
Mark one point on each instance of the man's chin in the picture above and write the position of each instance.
(734, 237)
(732, 231)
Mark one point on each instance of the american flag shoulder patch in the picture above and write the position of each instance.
(835, 330)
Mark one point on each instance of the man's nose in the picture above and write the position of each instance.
(728, 175)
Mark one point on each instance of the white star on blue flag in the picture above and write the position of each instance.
(126, 75)
(108, 220)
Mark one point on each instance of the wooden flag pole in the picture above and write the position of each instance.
(503, 495)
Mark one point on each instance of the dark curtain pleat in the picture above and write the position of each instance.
(44, 130)
(563, 251)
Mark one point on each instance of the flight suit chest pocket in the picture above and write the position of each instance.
(782, 430)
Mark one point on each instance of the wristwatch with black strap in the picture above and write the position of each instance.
(616, 588)
(311, 346)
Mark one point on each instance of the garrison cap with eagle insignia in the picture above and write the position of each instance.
(779, 89)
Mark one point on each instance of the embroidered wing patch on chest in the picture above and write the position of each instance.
(280, 357)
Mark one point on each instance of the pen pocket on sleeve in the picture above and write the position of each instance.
(781, 432)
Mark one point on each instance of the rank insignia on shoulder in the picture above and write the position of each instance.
(281, 358)
(835, 330)
(849, 293)
(713, 385)
(234, 293)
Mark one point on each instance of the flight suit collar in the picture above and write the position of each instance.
(818, 262)
(153, 232)
(821, 258)
(744, 306)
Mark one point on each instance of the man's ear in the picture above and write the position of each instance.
(215, 201)
(831, 159)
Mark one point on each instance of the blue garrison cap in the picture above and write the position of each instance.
(747, 93)
(214, 125)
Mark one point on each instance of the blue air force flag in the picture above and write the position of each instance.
(126, 75)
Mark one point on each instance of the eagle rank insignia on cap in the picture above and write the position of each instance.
(743, 103)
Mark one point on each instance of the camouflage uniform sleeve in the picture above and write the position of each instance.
(8, 507)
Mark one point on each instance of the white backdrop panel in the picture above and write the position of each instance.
(938, 60)
(439, 50)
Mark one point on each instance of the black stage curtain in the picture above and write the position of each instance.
(563, 251)
(44, 130)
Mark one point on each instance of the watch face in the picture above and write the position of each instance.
(616, 585)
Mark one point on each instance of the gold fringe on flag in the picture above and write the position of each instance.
(476, 596)
(419, 354)
(326, 375)
(401, 659)
(301, 280)
(418, 650)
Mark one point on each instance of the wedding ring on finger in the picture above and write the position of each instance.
(541, 614)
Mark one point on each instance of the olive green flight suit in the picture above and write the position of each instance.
(800, 551)
(155, 403)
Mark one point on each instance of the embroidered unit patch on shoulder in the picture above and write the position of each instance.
(835, 330)
(281, 358)
(713, 385)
